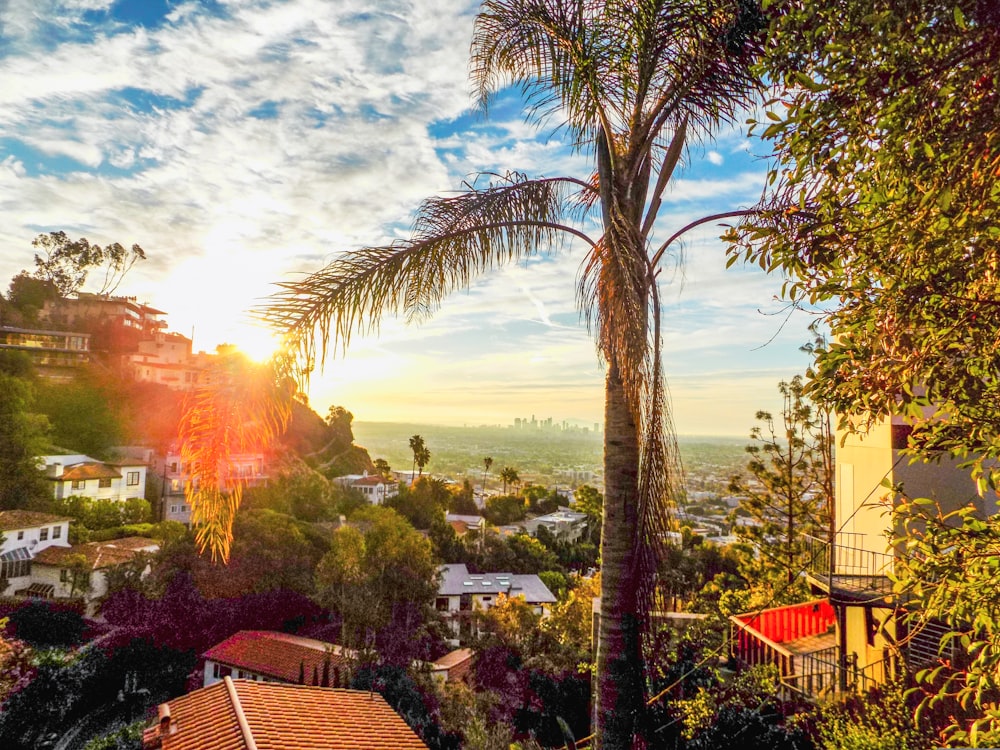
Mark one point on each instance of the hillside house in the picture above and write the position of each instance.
(25, 534)
(245, 715)
(249, 468)
(460, 593)
(850, 640)
(564, 524)
(82, 570)
(271, 656)
(55, 355)
(167, 359)
(87, 477)
(375, 488)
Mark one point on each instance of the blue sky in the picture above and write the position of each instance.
(243, 142)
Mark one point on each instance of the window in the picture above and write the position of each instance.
(173, 466)
(64, 575)
(441, 604)
(15, 569)
(77, 484)
(56, 532)
(20, 535)
(104, 483)
(184, 509)
(43, 534)
(132, 479)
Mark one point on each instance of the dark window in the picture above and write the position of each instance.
(43, 534)
(441, 604)
(133, 479)
(56, 532)
(77, 484)
(105, 483)
(20, 535)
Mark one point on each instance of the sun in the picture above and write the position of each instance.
(256, 341)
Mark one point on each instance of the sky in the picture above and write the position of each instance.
(247, 142)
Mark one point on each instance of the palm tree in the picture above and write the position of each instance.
(417, 446)
(508, 475)
(422, 457)
(629, 81)
(487, 463)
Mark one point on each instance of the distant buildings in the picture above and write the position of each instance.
(375, 488)
(55, 355)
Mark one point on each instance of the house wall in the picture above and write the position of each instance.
(863, 461)
(56, 534)
(132, 484)
(214, 672)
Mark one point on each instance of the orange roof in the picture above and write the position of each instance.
(461, 527)
(98, 554)
(276, 655)
(243, 714)
(88, 470)
(12, 520)
(371, 481)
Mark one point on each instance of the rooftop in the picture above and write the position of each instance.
(281, 656)
(99, 554)
(243, 714)
(457, 580)
(12, 520)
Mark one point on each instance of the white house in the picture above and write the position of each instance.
(25, 534)
(460, 593)
(55, 575)
(271, 656)
(565, 525)
(82, 475)
(375, 488)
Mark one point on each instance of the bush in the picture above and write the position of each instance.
(45, 624)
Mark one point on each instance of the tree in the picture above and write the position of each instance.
(629, 83)
(379, 575)
(588, 500)
(885, 210)
(791, 491)
(22, 436)
(420, 454)
(66, 263)
(383, 469)
(487, 463)
(508, 475)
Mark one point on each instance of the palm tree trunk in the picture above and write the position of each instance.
(619, 694)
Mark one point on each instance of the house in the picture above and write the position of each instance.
(460, 593)
(853, 644)
(271, 656)
(564, 524)
(82, 569)
(118, 323)
(245, 715)
(455, 666)
(248, 468)
(25, 534)
(54, 354)
(167, 359)
(375, 488)
(87, 477)
(463, 524)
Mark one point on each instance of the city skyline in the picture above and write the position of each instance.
(306, 130)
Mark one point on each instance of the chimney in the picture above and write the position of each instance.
(57, 469)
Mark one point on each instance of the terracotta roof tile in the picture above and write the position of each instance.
(368, 482)
(282, 717)
(12, 520)
(88, 470)
(98, 554)
(277, 655)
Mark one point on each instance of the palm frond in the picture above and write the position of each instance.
(241, 408)
(455, 240)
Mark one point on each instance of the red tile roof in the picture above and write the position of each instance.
(368, 482)
(243, 714)
(12, 520)
(88, 470)
(98, 554)
(279, 656)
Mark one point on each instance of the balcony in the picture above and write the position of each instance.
(849, 570)
(799, 640)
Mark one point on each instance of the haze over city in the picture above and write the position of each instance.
(242, 145)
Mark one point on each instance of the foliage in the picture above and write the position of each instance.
(509, 476)
(589, 500)
(66, 263)
(885, 206)
(571, 621)
(880, 720)
(22, 436)
(946, 573)
(26, 297)
(791, 491)
(422, 503)
(83, 413)
(380, 577)
(501, 510)
(128, 737)
(16, 667)
(462, 500)
(540, 499)
(744, 707)
(43, 624)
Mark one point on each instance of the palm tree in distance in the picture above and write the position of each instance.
(418, 447)
(487, 463)
(629, 81)
(508, 475)
(423, 456)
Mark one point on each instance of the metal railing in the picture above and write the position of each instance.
(850, 561)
